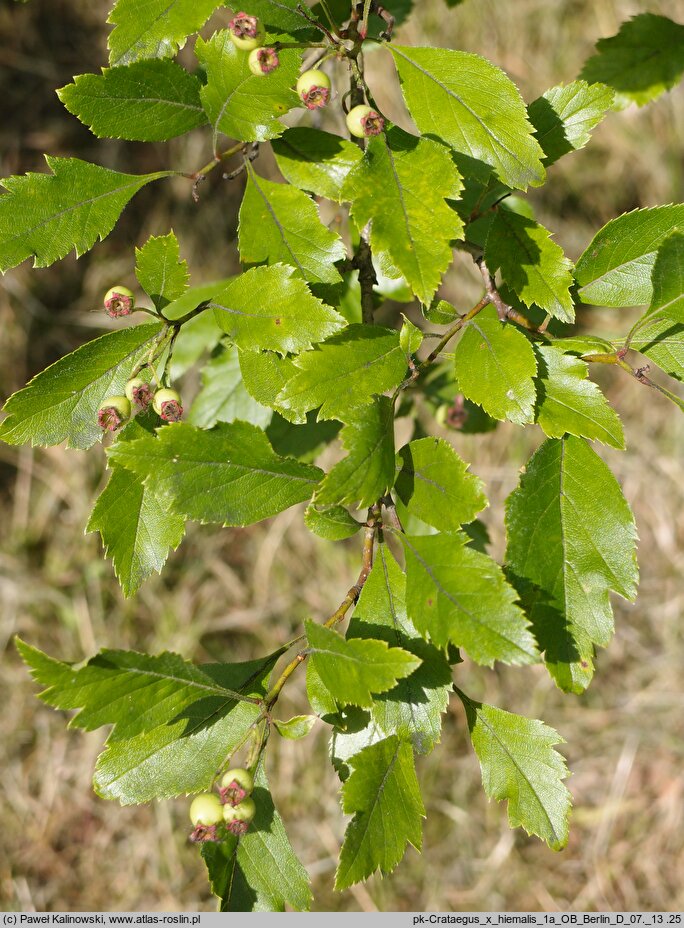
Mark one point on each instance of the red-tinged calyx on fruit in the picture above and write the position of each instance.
(262, 61)
(119, 301)
(113, 413)
(139, 393)
(245, 31)
(206, 813)
(363, 121)
(313, 89)
(237, 784)
(167, 404)
(238, 818)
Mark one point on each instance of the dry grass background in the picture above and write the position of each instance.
(230, 594)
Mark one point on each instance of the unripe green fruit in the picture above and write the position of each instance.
(237, 784)
(113, 412)
(206, 809)
(167, 404)
(313, 89)
(138, 392)
(262, 61)
(119, 301)
(237, 818)
(245, 31)
(363, 121)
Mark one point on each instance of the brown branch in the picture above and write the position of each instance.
(363, 262)
(490, 288)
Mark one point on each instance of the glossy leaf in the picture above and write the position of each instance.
(571, 540)
(240, 104)
(434, 484)
(345, 372)
(569, 402)
(367, 472)
(400, 188)
(564, 116)
(644, 59)
(413, 708)
(61, 403)
(280, 224)
(352, 670)
(264, 375)
(520, 765)
(148, 101)
(158, 29)
(333, 524)
(272, 308)
(495, 367)
(136, 530)
(316, 161)
(223, 397)
(531, 263)
(384, 796)
(45, 216)
(616, 268)
(160, 271)
(456, 595)
(229, 475)
(443, 90)
(174, 722)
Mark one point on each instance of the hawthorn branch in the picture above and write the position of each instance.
(363, 263)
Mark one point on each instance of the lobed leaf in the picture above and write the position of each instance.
(61, 403)
(44, 216)
(155, 29)
(229, 475)
(571, 539)
(280, 224)
(519, 764)
(316, 161)
(147, 101)
(564, 116)
(471, 105)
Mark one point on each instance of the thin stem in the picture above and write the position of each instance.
(363, 262)
(302, 10)
(456, 327)
(490, 287)
(328, 14)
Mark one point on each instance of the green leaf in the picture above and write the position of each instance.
(240, 104)
(413, 709)
(223, 397)
(410, 336)
(571, 535)
(160, 271)
(564, 117)
(272, 308)
(367, 472)
(316, 161)
(616, 267)
(333, 524)
(174, 722)
(259, 872)
(352, 670)
(304, 442)
(46, 215)
(457, 595)
(280, 224)
(443, 91)
(668, 281)
(157, 29)
(148, 101)
(642, 61)
(277, 14)
(264, 375)
(434, 484)
(229, 475)
(531, 263)
(345, 372)
(136, 530)
(569, 402)
(519, 764)
(400, 188)
(299, 726)
(61, 403)
(495, 367)
(197, 336)
(384, 796)
(661, 342)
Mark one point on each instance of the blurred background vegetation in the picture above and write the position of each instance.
(229, 594)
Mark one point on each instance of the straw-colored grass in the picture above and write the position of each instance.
(230, 594)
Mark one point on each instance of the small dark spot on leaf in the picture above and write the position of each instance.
(429, 602)
(277, 322)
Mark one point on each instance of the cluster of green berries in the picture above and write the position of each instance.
(232, 810)
(313, 87)
(116, 410)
